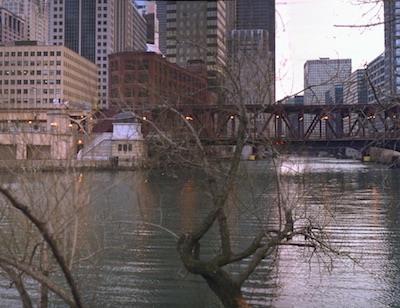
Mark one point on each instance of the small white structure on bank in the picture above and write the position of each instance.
(123, 147)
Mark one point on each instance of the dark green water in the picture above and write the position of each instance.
(133, 218)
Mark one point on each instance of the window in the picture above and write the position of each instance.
(129, 92)
(129, 65)
(129, 78)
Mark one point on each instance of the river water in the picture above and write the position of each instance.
(132, 220)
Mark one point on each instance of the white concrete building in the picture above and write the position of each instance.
(123, 147)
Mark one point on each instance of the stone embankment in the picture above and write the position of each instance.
(43, 165)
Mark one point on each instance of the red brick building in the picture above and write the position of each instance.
(149, 85)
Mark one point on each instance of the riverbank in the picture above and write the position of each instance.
(49, 165)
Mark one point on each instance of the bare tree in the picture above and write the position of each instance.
(247, 87)
(39, 236)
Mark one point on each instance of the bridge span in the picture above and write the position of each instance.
(358, 125)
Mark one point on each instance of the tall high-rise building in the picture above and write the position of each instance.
(320, 75)
(375, 73)
(355, 88)
(249, 61)
(35, 15)
(95, 29)
(11, 26)
(162, 25)
(259, 15)
(392, 48)
(196, 30)
(148, 9)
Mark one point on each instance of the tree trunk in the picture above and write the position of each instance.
(229, 292)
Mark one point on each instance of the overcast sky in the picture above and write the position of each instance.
(312, 29)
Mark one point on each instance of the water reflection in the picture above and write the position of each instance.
(136, 263)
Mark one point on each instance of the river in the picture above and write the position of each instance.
(133, 220)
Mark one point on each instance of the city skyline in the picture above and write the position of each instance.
(309, 30)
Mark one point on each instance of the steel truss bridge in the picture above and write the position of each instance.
(357, 125)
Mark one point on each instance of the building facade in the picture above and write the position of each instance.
(12, 26)
(148, 9)
(355, 88)
(162, 25)
(95, 29)
(141, 79)
(45, 77)
(250, 64)
(259, 14)
(375, 73)
(35, 15)
(196, 30)
(144, 82)
(320, 75)
(392, 49)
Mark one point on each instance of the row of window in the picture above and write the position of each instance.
(31, 82)
(30, 72)
(25, 91)
(30, 54)
(30, 63)
(25, 101)
(125, 147)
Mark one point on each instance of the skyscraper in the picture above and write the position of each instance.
(95, 29)
(375, 72)
(148, 9)
(11, 26)
(260, 15)
(196, 30)
(257, 14)
(392, 48)
(35, 15)
(321, 75)
(162, 25)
